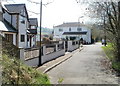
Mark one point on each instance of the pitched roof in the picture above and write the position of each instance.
(33, 21)
(16, 8)
(71, 24)
(74, 33)
(6, 27)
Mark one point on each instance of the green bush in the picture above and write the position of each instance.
(116, 66)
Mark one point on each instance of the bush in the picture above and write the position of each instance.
(116, 66)
(46, 40)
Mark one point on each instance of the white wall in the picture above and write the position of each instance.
(33, 40)
(52, 56)
(59, 34)
(23, 31)
(72, 47)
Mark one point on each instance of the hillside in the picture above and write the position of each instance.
(15, 72)
(45, 31)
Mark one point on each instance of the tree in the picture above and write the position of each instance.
(109, 14)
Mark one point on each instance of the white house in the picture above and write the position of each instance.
(19, 28)
(72, 30)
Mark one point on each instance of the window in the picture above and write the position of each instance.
(22, 38)
(69, 29)
(33, 27)
(79, 29)
(60, 30)
(9, 37)
(23, 21)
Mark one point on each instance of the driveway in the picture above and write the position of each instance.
(83, 68)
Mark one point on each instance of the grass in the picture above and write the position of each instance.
(60, 80)
(15, 72)
(109, 50)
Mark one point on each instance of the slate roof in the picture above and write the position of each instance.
(71, 24)
(33, 21)
(16, 8)
(6, 27)
(75, 33)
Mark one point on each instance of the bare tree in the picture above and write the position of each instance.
(109, 14)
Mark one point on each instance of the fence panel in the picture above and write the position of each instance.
(50, 48)
(60, 46)
(31, 53)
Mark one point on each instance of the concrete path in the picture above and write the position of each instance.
(83, 68)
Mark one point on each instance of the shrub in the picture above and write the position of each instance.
(46, 40)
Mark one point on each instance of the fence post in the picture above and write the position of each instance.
(22, 57)
(44, 50)
(56, 47)
(64, 44)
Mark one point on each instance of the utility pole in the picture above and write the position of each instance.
(104, 31)
(40, 33)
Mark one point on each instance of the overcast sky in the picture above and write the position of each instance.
(55, 13)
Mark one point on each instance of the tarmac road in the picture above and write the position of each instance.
(83, 68)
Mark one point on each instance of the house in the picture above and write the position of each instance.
(7, 30)
(32, 32)
(72, 31)
(16, 16)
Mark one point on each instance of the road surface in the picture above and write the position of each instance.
(83, 68)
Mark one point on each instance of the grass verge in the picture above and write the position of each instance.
(15, 72)
(109, 50)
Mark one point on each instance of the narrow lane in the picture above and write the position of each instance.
(83, 68)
